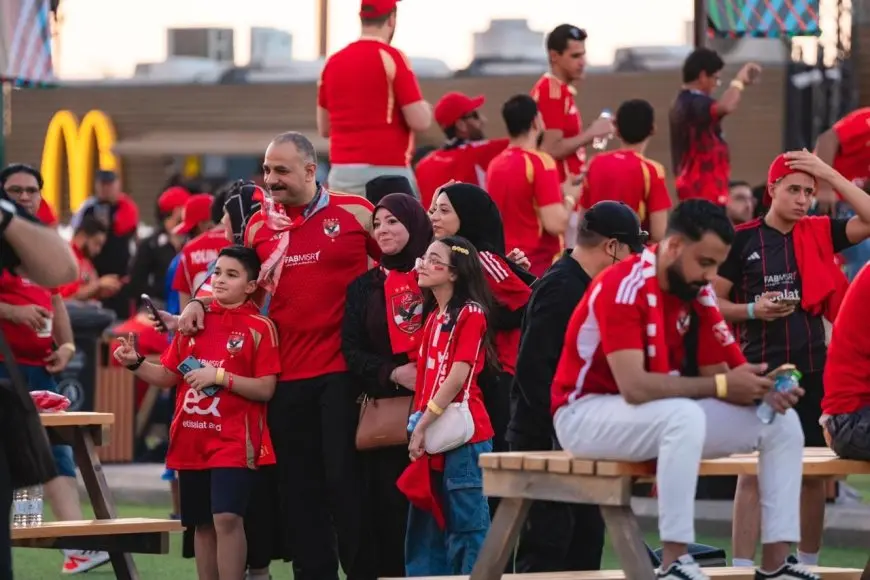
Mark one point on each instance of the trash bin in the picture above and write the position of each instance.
(77, 382)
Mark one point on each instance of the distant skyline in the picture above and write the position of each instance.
(109, 37)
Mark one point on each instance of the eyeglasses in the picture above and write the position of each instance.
(431, 262)
(18, 190)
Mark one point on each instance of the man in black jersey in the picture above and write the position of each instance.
(777, 285)
(561, 537)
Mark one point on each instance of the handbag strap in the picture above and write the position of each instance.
(467, 389)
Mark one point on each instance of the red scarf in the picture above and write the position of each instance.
(404, 311)
(823, 284)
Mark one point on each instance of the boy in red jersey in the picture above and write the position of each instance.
(218, 438)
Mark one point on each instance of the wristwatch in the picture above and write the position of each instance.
(135, 366)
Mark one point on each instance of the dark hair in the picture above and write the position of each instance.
(635, 120)
(758, 193)
(586, 238)
(738, 183)
(562, 35)
(695, 217)
(470, 286)
(702, 60)
(91, 226)
(16, 168)
(519, 113)
(247, 257)
(376, 20)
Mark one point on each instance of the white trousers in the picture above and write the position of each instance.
(679, 433)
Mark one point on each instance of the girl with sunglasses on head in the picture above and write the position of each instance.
(450, 427)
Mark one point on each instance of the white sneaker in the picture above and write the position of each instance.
(78, 561)
(685, 568)
(791, 570)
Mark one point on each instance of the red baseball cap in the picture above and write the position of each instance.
(196, 210)
(779, 169)
(453, 106)
(376, 8)
(172, 198)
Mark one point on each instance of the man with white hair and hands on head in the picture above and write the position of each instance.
(618, 393)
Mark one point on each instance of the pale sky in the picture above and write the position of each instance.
(108, 37)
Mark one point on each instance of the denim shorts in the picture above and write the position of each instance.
(39, 379)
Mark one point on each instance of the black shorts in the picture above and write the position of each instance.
(222, 490)
(809, 409)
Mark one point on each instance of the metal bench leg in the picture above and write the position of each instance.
(501, 538)
(627, 541)
(101, 498)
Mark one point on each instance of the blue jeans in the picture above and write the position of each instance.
(38, 379)
(431, 551)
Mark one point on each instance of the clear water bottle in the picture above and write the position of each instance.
(787, 378)
(27, 507)
(600, 143)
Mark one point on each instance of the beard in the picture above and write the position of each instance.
(680, 287)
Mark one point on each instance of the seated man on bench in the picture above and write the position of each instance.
(618, 393)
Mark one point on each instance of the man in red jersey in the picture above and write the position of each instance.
(313, 242)
(618, 392)
(699, 152)
(202, 250)
(466, 154)
(87, 242)
(564, 138)
(626, 175)
(368, 104)
(524, 184)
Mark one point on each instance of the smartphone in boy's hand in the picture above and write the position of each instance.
(191, 364)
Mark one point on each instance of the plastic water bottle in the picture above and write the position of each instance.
(600, 143)
(786, 379)
(27, 507)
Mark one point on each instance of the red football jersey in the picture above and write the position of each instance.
(512, 293)
(196, 255)
(364, 87)
(46, 215)
(612, 317)
(437, 358)
(28, 348)
(559, 111)
(520, 182)
(224, 430)
(466, 163)
(87, 274)
(628, 177)
(326, 253)
(853, 133)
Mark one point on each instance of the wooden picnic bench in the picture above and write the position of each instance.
(520, 478)
(120, 537)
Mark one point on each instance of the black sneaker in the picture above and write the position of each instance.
(791, 570)
(685, 568)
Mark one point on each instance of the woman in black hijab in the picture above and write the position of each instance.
(380, 340)
(462, 209)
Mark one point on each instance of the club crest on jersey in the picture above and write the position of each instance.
(723, 333)
(684, 320)
(331, 227)
(235, 342)
(407, 311)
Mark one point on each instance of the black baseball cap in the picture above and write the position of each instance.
(614, 219)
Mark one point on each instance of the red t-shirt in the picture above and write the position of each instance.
(519, 182)
(46, 215)
(467, 163)
(28, 348)
(224, 430)
(847, 368)
(628, 177)
(326, 253)
(611, 317)
(437, 358)
(853, 133)
(509, 292)
(196, 255)
(559, 111)
(364, 87)
(87, 274)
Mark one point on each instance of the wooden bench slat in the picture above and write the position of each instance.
(96, 528)
(76, 419)
(731, 573)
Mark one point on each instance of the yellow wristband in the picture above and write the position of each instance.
(721, 386)
(68, 345)
(738, 84)
(219, 376)
(432, 406)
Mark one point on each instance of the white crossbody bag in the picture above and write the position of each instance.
(455, 427)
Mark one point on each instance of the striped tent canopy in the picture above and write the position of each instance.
(762, 18)
(25, 42)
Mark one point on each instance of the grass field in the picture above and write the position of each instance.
(33, 564)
